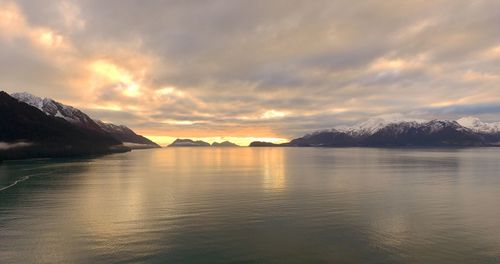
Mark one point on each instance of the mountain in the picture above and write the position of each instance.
(127, 136)
(372, 125)
(265, 144)
(402, 133)
(224, 144)
(331, 138)
(489, 131)
(189, 143)
(436, 133)
(27, 132)
(77, 117)
(477, 125)
(56, 109)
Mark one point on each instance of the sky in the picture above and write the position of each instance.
(245, 70)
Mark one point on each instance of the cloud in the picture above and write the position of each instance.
(7, 146)
(463, 110)
(275, 68)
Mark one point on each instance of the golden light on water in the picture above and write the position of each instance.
(273, 169)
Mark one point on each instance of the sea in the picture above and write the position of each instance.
(254, 205)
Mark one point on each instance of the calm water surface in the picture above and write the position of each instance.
(265, 205)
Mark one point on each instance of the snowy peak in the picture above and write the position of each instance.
(401, 124)
(477, 125)
(470, 121)
(373, 125)
(30, 99)
(438, 125)
(75, 116)
(382, 132)
(56, 109)
(28, 132)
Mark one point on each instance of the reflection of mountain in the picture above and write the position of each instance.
(27, 132)
(188, 143)
(400, 133)
(55, 109)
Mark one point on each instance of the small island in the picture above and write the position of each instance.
(185, 142)
(180, 142)
(224, 144)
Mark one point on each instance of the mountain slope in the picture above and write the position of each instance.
(127, 136)
(479, 126)
(27, 132)
(436, 133)
(79, 118)
(402, 133)
(56, 109)
(331, 138)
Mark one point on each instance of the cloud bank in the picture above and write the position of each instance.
(254, 68)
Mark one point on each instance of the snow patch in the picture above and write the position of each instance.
(373, 125)
(53, 108)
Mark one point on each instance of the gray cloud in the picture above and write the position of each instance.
(321, 63)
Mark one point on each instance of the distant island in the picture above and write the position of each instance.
(188, 143)
(224, 144)
(34, 127)
(265, 144)
(199, 143)
(465, 132)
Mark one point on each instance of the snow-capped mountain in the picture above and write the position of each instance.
(432, 133)
(75, 116)
(390, 132)
(372, 125)
(56, 109)
(477, 125)
(27, 132)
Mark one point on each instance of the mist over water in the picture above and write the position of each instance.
(254, 205)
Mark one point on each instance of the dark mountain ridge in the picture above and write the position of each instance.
(127, 136)
(75, 116)
(27, 132)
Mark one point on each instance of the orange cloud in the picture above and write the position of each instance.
(106, 73)
(13, 25)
